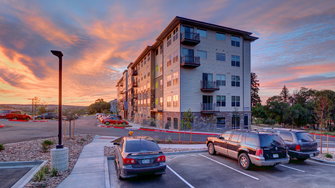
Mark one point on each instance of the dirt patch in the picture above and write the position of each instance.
(32, 150)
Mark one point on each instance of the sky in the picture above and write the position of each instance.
(296, 45)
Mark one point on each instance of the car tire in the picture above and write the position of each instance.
(244, 161)
(107, 123)
(211, 149)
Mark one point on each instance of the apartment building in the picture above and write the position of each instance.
(194, 67)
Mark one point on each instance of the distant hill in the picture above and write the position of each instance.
(27, 107)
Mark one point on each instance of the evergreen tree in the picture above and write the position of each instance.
(255, 99)
(284, 94)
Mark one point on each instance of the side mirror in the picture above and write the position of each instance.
(115, 143)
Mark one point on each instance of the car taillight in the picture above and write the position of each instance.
(297, 148)
(259, 152)
(128, 161)
(161, 158)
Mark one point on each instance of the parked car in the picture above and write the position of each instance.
(250, 147)
(3, 113)
(138, 155)
(48, 115)
(17, 115)
(301, 145)
(113, 120)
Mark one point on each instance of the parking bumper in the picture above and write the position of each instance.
(260, 161)
(299, 154)
(128, 171)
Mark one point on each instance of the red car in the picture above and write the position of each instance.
(114, 120)
(17, 115)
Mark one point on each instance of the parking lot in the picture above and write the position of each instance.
(204, 170)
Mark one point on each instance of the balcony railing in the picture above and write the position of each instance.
(190, 61)
(208, 108)
(135, 73)
(209, 86)
(190, 38)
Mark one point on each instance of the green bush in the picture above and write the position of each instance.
(54, 172)
(328, 155)
(2, 147)
(46, 145)
(39, 176)
(45, 169)
(269, 121)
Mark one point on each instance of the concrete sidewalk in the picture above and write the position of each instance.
(90, 168)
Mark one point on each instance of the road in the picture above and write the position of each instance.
(23, 131)
(204, 170)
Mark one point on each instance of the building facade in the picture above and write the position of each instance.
(193, 67)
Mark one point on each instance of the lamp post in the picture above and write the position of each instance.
(59, 54)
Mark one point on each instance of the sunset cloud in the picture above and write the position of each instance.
(99, 39)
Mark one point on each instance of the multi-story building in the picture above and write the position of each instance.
(194, 67)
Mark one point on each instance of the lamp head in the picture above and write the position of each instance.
(57, 53)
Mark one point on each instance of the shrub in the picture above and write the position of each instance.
(45, 169)
(54, 172)
(269, 121)
(2, 147)
(39, 176)
(46, 145)
(328, 155)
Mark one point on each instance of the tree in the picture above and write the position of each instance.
(324, 104)
(284, 94)
(187, 121)
(99, 106)
(255, 99)
(41, 110)
(298, 115)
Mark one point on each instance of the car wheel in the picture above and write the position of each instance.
(107, 123)
(244, 161)
(211, 149)
(124, 124)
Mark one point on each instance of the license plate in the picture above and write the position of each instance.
(145, 161)
(311, 155)
(275, 156)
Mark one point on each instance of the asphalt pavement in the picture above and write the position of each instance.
(9, 176)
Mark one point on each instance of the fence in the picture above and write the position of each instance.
(326, 143)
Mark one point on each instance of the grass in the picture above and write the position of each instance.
(325, 133)
(39, 176)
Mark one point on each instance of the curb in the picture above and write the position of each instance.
(1, 126)
(106, 126)
(322, 161)
(184, 152)
(19, 120)
(182, 132)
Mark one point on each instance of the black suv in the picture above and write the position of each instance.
(300, 143)
(250, 147)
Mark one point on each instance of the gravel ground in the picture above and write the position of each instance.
(109, 151)
(322, 156)
(32, 150)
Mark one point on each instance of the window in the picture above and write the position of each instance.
(235, 41)
(221, 80)
(175, 123)
(235, 122)
(168, 40)
(175, 78)
(202, 54)
(156, 101)
(175, 34)
(169, 62)
(202, 33)
(220, 36)
(161, 83)
(287, 136)
(141, 145)
(175, 100)
(168, 79)
(220, 122)
(161, 49)
(235, 137)
(252, 139)
(235, 81)
(168, 123)
(168, 101)
(235, 101)
(220, 57)
(235, 61)
(220, 100)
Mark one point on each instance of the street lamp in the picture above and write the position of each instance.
(59, 54)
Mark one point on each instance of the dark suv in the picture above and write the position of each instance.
(250, 147)
(300, 143)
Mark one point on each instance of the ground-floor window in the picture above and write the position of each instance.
(246, 122)
(168, 123)
(220, 122)
(175, 123)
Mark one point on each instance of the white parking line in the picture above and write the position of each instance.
(180, 177)
(250, 176)
(291, 168)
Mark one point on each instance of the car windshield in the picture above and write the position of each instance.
(270, 140)
(141, 146)
(304, 137)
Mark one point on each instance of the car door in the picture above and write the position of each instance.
(220, 144)
(233, 144)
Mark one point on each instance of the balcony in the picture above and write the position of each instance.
(190, 61)
(190, 38)
(209, 86)
(208, 108)
(135, 73)
(134, 84)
